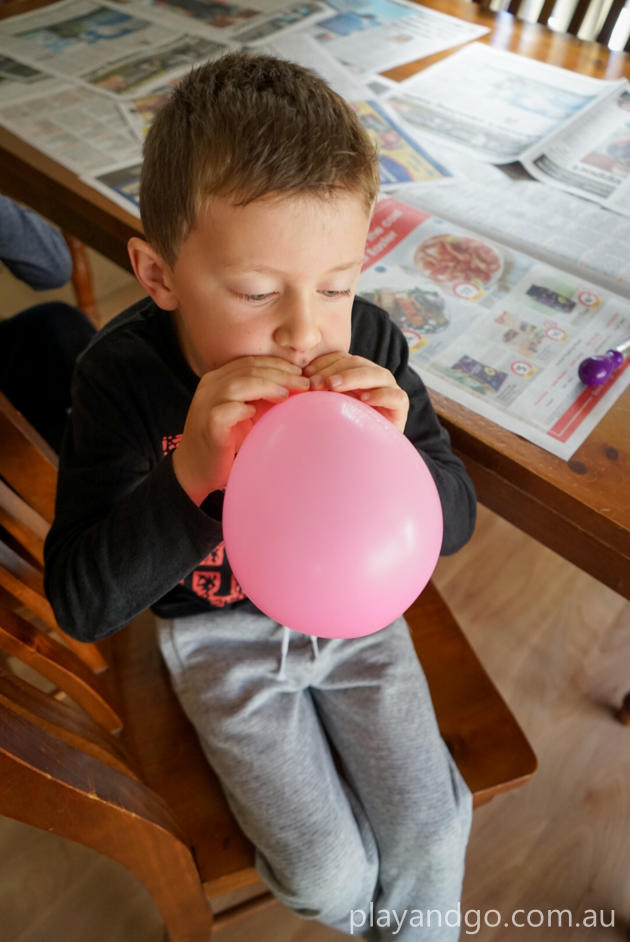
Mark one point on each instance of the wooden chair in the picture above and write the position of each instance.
(107, 757)
(601, 31)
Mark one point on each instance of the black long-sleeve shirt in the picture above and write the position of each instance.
(126, 536)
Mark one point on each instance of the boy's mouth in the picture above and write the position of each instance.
(301, 360)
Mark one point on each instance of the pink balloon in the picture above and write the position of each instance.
(332, 521)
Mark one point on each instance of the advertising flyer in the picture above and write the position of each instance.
(493, 328)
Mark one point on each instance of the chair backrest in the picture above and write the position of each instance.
(28, 481)
(64, 764)
(594, 19)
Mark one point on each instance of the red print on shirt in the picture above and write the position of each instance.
(213, 579)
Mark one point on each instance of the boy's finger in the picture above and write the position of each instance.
(362, 377)
(228, 414)
(253, 388)
(324, 362)
(261, 384)
(278, 363)
(386, 397)
(289, 379)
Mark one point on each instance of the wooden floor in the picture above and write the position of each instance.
(557, 644)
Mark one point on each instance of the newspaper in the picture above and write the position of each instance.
(18, 80)
(140, 109)
(590, 156)
(401, 159)
(121, 184)
(376, 35)
(71, 37)
(492, 104)
(281, 22)
(141, 99)
(302, 48)
(257, 21)
(137, 72)
(553, 226)
(75, 125)
(493, 328)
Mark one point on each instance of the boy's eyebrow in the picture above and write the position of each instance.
(267, 269)
(346, 265)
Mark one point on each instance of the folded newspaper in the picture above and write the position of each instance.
(568, 130)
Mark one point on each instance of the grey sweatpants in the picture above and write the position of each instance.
(331, 760)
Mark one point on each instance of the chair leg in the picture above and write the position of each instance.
(623, 713)
(244, 910)
(48, 784)
(82, 278)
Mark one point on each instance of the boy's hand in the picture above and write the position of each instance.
(225, 406)
(362, 379)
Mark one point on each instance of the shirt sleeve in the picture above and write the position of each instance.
(32, 249)
(377, 337)
(118, 506)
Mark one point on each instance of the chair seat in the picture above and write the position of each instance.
(478, 727)
(171, 761)
(484, 738)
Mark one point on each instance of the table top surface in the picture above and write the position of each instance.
(579, 508)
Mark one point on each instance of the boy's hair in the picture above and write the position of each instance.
(247, 126)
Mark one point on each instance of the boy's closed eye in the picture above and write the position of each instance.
(260, 298)
(255, 298)
(337, 293)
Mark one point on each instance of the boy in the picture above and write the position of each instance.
(257, 188)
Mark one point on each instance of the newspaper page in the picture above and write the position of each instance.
(141, 70)
(73, 36)
(203, 16)
(262, 19)
(18, 80)
(549, 224)
(401, 159)
(494, 105)
(120, 183)
(139, 109)
(78, 127)
(376, 35)
(590, 156)
(493, 328)
(302, 48)
(290, 18)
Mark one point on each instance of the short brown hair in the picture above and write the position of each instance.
(248, 126)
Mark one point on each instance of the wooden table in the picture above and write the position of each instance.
(580, 508)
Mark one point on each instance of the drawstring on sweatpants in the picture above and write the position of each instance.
(284, 651)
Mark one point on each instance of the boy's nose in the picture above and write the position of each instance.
(298, 330)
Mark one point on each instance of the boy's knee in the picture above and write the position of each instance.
(444, 844)
(326, 889)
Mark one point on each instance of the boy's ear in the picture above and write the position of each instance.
(153, 273)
